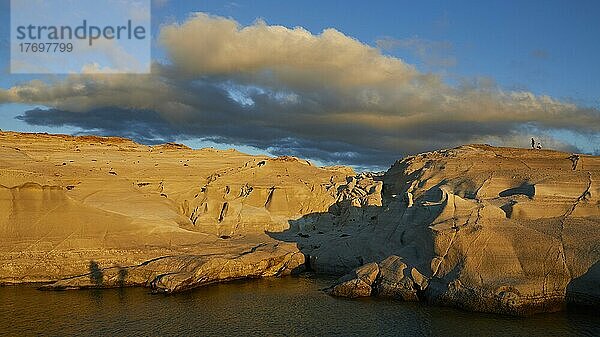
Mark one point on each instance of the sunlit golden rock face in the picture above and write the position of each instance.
(492, 229)
(489, 229)
(69, 202)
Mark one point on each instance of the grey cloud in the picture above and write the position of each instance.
(143, 126)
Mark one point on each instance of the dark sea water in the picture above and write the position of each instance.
(291, 306)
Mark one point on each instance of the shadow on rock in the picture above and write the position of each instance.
(349, 235)
(96, 274)
(121, 277)
(586, 288)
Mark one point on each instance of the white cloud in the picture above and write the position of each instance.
(208, 45)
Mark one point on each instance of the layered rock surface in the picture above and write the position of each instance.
(483, 228)
(162, 216)
(488, 229)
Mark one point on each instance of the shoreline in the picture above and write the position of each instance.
(483, 228)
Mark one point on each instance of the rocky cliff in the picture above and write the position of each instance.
(488, 229)
(101, 212)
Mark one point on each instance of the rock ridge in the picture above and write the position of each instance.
(484, 228)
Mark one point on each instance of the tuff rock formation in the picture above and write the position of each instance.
(104, 212)
(488, 229)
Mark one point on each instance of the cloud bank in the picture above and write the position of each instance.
(328, 97)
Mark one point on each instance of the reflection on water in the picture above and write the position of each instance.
(289, 306)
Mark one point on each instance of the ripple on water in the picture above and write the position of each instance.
(292, 306)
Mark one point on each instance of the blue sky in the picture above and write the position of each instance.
(545, 47)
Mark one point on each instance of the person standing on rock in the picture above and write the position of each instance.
(532, 143)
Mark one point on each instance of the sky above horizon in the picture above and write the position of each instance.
(350, 82)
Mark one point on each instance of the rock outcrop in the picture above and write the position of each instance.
(389, 278)
(359, 283)
(490, 229)
(169, 274)
(483, 228)
(166, 216)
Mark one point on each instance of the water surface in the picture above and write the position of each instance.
(291, 306)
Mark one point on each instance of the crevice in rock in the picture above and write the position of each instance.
(437, 267)
(524, 189)
(269, 197)
(223, 211)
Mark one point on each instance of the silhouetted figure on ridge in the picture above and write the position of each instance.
(532, 143)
